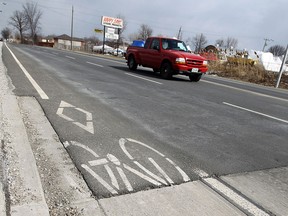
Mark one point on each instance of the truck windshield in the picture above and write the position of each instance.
(171, 44)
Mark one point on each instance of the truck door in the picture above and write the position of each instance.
(152, 55)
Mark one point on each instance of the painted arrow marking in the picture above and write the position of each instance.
(89, 123)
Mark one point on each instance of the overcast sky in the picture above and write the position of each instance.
(249, 21)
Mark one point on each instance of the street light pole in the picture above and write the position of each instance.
(72, 27)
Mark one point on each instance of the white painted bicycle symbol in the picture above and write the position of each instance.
(111, 161)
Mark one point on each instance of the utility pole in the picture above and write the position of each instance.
(72, 27)
(179, 33)
(265, 44)
(103, 47)
(282, 68)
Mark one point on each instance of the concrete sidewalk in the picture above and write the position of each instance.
(37, 177)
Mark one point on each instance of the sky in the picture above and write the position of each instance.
(248, 21)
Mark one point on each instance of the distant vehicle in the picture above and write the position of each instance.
(167, 55)
(118, 52)
(99, 49)
(138, 43)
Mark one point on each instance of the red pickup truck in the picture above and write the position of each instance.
(167, 55)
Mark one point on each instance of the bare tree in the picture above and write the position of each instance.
(17, 20)
(231, 42)
(93, 40)
(133, 36)
(125, 24)
(32, 18)
(145, 31)
(220, 42)
(6, 32)
(277, 50)
(199, 42)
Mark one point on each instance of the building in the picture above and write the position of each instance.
(64, 42)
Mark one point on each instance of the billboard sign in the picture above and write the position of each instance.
(111, 30)
(112, 36)
(112, 22)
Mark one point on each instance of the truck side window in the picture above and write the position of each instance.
(147, 43)
(155, 44)
(165, 44)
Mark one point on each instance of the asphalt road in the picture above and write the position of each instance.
(130, 131)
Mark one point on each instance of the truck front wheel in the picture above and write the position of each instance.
(166, 70)
(132, 63)
(195, 77)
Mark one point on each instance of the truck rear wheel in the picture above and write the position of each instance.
(132, 63)
(166, 70)
(195, 77)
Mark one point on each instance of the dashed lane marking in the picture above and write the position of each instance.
(70, 57)
(247, 91)
(94, 64)
(258, 113)
(139, 77)
(109, 60)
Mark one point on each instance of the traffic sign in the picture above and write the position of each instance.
(98, 30)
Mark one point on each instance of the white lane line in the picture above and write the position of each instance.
(258, 113)
(112, 177)
(161, 171)
(124, 179)
(200, 173)
(70, 57)
(236, 198)
(94, 64)
(101, 181)
(184, 175)
(143, 78)
(98, 162)
(141, 175)
(109, 60)
(74, 143)
(244, 90)
(150, 173)
(42, 94)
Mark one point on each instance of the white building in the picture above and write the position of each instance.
(64, 42)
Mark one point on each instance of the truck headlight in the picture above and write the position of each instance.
(205, 62)
(180, 61)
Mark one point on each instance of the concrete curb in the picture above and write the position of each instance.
(66, 191)
(27, 197)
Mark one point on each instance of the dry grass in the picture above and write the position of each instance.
(254, 74)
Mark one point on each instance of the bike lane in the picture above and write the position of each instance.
(138, 158)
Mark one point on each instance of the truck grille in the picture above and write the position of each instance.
(193, 62)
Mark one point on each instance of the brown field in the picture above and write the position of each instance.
(254, 74)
